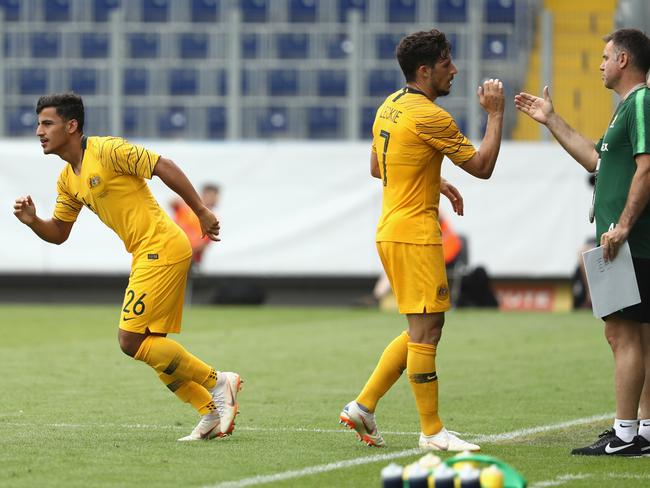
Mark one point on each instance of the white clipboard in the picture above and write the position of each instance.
(612, 284)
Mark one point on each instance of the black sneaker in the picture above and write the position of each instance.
(644, 445)
(609, 444)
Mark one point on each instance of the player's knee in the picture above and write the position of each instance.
(127, 344)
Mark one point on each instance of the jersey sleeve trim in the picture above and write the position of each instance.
(641, 146)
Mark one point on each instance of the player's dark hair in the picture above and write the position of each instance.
(421, 48)
(210, 187)
(68, 106)
(635, 43)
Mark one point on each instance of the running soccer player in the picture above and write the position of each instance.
(107, 175)
(411, 135)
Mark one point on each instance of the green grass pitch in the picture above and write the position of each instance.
(76, 412)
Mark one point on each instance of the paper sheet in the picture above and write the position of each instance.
(612, 284)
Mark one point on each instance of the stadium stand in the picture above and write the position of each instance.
(578, 29)
(155, 10)
(452, 11)
(302, 10)
(136, 81)
(94, 45)
(306, 69)
(82, 81)
(193, 45)
(401, 11)
(57, 11)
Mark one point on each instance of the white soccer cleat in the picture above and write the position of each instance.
(446, 441)
(363, 423)
(207, 428)
(224, 396)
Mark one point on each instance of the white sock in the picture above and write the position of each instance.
(626, 430)
(644, 428)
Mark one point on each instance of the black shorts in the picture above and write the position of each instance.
(641, 311)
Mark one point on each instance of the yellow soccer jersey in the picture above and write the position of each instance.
(411, 134)
(112, 185)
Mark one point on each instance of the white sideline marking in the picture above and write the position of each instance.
(560, 480)
(542, 428)
(181, 427)
(323, 468)
(565, 478)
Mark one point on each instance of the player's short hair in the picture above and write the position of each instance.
(210, 187)
(421, 48)
(635, 43)
(68, 106)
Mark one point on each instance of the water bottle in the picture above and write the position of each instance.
(391, 476)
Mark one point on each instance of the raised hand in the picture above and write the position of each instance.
(539, 109)
(490, 96)
(25, 210)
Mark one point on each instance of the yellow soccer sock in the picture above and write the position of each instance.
(169, 357)
(388, 370)
(421, 367)
(189, 392)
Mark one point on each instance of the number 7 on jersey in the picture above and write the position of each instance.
(386, 135)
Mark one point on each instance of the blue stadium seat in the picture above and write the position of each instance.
(283, 82)
(143, 45)
(102, 9)
(221, 79)
(217, 122)
(95, 45)
(292, 46)
(155, 10)
(9, 44)
(500, 11)
(338, 46)
(247, 81)
(345, 6)
(136, 81)
(183, 81)
(205, 11)
(249, 46)
(193, 45)
(33, 81)
(383, 82)
(11, 9)
(332, 83)
(57, 10)
(82, 81)
(302, 11)
(495, 46)
(386, 44)
(367, 120)
(273, 122)
(44, 45)
(461, 122)
(401, 10)
(323, 122)
(173, 122)
(130, 120)
(21, 121)
(453, 37)
(452, 11)
(254, 10)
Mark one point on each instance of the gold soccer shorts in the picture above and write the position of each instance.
(417, 274)
(154, 298)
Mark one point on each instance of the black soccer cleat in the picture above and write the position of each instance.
(609, 444)
(644, 445)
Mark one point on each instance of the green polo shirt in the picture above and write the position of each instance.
(628, 134)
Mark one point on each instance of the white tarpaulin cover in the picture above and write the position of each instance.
(306, 208)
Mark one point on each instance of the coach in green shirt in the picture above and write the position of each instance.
(622, 194)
